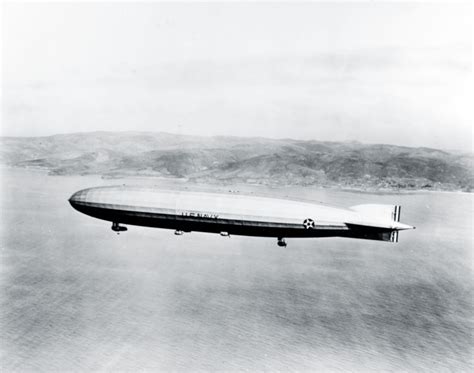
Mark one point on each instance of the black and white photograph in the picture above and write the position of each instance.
(236, 186)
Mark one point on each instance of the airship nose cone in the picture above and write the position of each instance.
(76, 197)
(73, 200)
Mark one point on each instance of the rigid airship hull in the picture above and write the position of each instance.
(230, 214)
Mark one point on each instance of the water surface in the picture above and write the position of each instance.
(76, 296)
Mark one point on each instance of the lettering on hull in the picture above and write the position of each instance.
(199, 215)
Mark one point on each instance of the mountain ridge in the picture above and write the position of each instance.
(231, 159)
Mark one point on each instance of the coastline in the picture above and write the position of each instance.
(237, 184)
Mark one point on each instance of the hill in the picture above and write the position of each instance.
(242, 160)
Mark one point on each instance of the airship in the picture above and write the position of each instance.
(235, 214)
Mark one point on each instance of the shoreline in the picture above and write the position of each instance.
(219, 184)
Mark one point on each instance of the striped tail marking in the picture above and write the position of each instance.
(396, 213)
(395, 217)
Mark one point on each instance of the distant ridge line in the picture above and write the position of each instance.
(232, 159)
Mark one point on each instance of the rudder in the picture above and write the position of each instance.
(396, 213)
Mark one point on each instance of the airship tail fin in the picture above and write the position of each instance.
(372, 233)
(396, 213)
(393, 236)
(378, 213)
(377, 222)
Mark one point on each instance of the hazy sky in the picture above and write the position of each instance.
(373, 72)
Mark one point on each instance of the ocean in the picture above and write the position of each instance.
(75, 296)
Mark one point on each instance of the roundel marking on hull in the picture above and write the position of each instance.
(308, 224)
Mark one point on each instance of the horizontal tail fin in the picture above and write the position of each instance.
(377, 222)
(378, 215)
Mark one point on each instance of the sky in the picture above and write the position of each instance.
(398, 73)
